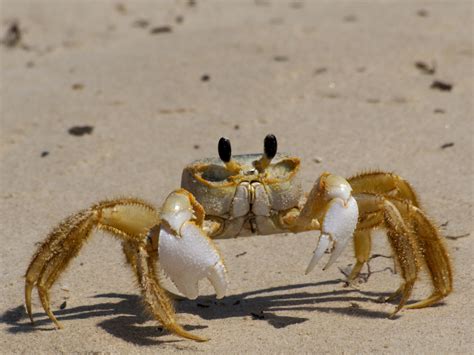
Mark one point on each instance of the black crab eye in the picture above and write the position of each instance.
(224, 149)
(270, 146)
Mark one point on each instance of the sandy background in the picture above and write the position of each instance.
(336, 82)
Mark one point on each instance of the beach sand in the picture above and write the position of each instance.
(158, 83)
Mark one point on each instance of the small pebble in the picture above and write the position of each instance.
(160, 29)
(280, 58)
(121, 8)
(13, 36)
(422, 13)
(80, 130)
(426, 68)
(441, 85)
(77, 86)
(350, 18)
(320, 70)
(447, 145)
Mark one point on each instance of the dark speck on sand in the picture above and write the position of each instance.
(80, 130)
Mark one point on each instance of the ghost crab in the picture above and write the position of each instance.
(248, 194)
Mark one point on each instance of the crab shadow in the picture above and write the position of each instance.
(126, 318)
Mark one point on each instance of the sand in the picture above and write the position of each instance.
(159, 82)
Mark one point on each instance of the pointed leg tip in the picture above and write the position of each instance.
(57, 324)
(394, 313)
(191, 336)
(200, 339)
(30, 314)
(178, 330)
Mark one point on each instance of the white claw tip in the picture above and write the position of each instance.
(218, 279)
(190, 258)
(323, 244)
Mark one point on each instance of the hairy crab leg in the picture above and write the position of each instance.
(406, 251)
(52, 252)
(130, 251)
(415, 242)
(156, 298)
(385, 184)
(66, 240)
(370, 217)
(433, 254)
(364, 187)
(362, 247)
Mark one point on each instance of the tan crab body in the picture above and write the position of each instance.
(245, 195)
(250, 203)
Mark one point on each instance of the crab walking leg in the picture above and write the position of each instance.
(369, 189)
(414, 239)
(362, 247)
(405, 249)
(370, 217)
(383, 183)
(130, 252)
(434, 255)
(57, 265)
(186, 253)
(155, 296)
(74, 231)
(128, 219)
(331, 203)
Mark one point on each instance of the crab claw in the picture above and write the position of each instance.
(323, 244)
(186, 253)
(338, 223)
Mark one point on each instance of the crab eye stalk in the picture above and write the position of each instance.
(270, 146)
(225, 150)
(225, 153)
(269, 151)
